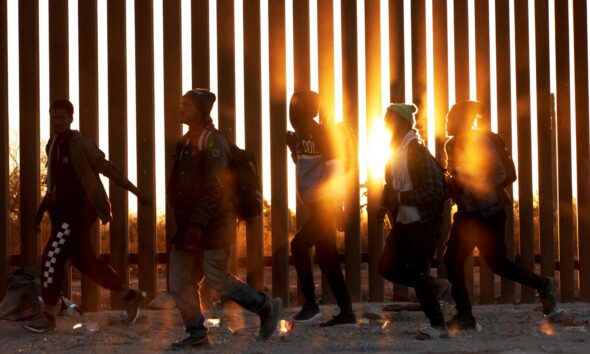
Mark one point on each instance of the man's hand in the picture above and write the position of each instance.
(291, 141)
(190, 241)
(38, 219)
(381, 213)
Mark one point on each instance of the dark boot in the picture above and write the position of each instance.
(260, 303)
(269, 318)
(548, 297)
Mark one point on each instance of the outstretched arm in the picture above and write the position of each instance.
(101, 165)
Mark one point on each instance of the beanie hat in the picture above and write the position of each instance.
(405, 111)
(202, 99)
(304, 105)
(466, 111)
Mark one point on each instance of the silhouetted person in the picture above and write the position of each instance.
(481, 168)
(317, 168)
(414, 194)
(75, 199)
(205, 218)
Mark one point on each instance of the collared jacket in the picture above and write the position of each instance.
(88, 161)
(198, 190)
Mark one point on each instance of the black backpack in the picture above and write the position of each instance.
(247, 186)
(245, 182)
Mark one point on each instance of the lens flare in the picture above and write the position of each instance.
(284, 329)
(547, 328)
(378, 148)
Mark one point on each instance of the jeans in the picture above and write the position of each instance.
(406, 259)
(319, 232)
(469, 230)
(187, 270)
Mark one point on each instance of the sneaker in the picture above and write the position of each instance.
(308, 313)
(462, 322)
(432, 333)
(40, 324)
(548, 297)
(134, 299)
(340, 319)
(190, 342)
(269, 318)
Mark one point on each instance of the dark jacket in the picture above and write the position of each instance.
(88, 162)
(198, 190)
(428, 191)
(477, 171)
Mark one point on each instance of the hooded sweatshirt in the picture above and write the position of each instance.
(316, 164)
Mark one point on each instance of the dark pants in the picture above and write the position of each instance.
(71, 240)
(187, 270)
(406, 259)
(319, 231)
(470, 230)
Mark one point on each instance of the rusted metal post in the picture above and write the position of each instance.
(146, 215)
(278, 153)
(253, 126)
(88, 88)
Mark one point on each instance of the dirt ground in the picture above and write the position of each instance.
(506, 329)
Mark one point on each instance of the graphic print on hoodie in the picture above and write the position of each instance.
(316, 163)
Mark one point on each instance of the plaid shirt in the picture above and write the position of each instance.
(428, 189)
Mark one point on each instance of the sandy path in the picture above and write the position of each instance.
(506, 329)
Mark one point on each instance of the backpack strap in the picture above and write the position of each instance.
(202, 144)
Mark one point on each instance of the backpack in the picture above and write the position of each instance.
(23, 296)
(505, 157)
(247, 186)
(245, 182)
